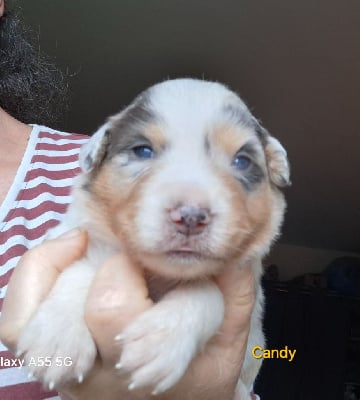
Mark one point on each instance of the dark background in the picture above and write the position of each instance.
(296, 63)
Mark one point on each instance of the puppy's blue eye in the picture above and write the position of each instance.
(143, 151)
(242, 162)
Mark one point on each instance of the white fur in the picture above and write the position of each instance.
(58, 332)
(171, 333)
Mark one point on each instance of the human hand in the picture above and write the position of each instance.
(117, 296)
(32, 280)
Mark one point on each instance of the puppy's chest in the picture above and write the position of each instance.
(159, 286)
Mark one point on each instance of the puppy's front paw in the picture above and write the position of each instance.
(157, 349)
(57, 347)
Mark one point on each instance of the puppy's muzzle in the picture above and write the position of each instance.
(190, 220)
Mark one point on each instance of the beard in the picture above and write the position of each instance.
(32, 89)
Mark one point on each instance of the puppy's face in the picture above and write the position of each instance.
(186, 179)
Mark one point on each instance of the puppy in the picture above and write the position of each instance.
(185, 181)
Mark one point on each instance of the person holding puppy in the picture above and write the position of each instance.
(38, 166)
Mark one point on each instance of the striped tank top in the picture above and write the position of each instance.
(36, 201)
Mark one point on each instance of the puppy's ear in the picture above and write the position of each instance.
(276, 156)
(93, 152)
(278, 164)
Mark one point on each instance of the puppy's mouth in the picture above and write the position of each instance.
(183, 262)
(185, 252)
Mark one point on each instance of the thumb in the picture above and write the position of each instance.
(33, 279)
(118, 294)
(238, 287)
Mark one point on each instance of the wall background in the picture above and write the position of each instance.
(296, 63)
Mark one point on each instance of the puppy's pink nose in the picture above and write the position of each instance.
(190, 220)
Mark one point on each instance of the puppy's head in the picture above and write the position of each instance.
(186, 179)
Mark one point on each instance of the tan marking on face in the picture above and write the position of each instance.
(229, 138)
(156, 135)
(250, 224)
(115, 200)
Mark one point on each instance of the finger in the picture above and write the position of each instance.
(239, 291)
(34, 277)
(117, 295)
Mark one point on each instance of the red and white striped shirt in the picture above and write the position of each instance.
(36, 201)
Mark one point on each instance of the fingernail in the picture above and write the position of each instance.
(155, 392)
(119, 338)
(71, 234)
